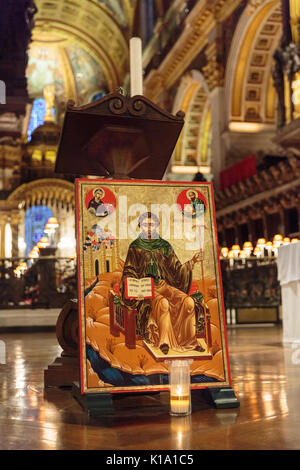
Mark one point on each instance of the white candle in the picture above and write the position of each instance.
(136, 67)
(180, 401)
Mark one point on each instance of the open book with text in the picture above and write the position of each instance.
(139, 288)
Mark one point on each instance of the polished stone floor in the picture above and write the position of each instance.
(265, 376)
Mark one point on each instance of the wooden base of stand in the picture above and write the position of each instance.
(65, 369)
(222, 397)
(102, 404)
(63, 372)
(95, 404)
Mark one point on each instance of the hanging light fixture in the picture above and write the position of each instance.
(35, 253)
(243, 256)
(52, 222)
(231, 257)
(43, 243)
(269, 247)
(248, 248)
(277, 240)
(224, 252)
(261, 243)
(257, 252)
(236, 249)
(49, 229)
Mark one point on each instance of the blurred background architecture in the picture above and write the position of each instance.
(232, 66)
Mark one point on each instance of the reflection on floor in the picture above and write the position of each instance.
(266, 379)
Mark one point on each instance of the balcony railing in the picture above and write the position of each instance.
(46, 282)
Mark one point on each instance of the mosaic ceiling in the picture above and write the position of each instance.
(73, 71)
(79, 46)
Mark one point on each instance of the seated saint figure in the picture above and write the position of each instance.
(168, 320)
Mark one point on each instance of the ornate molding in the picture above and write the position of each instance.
(253, 5)
(199, 24)
(284, 174)
(117, 104)
(214, 70)
(43, 191)
(89, 24)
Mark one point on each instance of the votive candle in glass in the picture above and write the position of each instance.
(180, 386)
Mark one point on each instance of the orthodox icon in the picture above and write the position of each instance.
(149, 285)
(99, 202)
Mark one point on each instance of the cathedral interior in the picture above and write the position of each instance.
(233, 68)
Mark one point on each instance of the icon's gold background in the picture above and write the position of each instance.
(149, 195)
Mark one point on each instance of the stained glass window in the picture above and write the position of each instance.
(97, 96)
(35, 220)
(37, 116)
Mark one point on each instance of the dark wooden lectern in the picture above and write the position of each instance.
(118, 137)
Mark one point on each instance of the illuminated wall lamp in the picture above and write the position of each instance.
(269, 247)
(52, 222)
(231, 257)
(261, 243)
(243, 256)
(43, 243)
(248, 248)
(277, 240)
(236, 249)
(257, 252)
(224, 252)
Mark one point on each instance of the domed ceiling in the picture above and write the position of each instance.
(80, 46)
(74, 72)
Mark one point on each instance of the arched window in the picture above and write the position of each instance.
(36, 218)
(37, 116)
(98, 95)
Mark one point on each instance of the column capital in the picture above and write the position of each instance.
(213, 71)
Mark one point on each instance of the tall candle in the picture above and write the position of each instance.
(136, 67)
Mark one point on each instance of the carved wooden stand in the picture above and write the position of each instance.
(66, 368)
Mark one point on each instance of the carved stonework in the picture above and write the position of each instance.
(44, 191)
(273, 177)
(271, 191)
(214, 70)
(198, 28)
(286, 63)
(253, 5)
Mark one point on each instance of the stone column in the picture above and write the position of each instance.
(3, 222)
(214, 75)
(15, 221)
(216, 98)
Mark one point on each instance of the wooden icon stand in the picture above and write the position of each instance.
(115, 137)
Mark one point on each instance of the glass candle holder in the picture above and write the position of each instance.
(180, 387)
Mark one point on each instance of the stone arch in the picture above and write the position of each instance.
(249, 90)
(193, 98)
(44, 191)
(58, 195)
